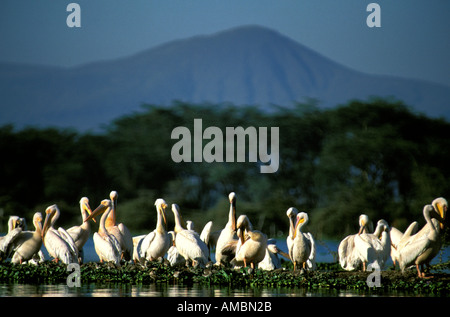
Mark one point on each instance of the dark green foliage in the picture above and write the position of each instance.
(376, 157)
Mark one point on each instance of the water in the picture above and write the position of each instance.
(326, 252)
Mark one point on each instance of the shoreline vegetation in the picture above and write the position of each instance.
(327, 276)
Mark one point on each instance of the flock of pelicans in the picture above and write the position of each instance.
(237, 244)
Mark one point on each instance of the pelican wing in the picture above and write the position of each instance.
(69, 240)
(191, 247)
(107, 248)
(127, 238)
(413, 248)
(204, 235)
(6, 243)
(312, 256)
(146, 242)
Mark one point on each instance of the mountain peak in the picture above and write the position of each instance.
(245, 65)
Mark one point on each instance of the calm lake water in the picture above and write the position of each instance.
(325, 253)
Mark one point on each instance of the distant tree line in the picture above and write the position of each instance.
(376, 157)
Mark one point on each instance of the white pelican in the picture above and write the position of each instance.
(80, 234)
(28, 243)
(58, 243)
(120, 231)
(106, 245)
(370, 248)
(271, 260)
(252, 245)
(173, 256)
(188, 243)
(348, 258)
(292, 213)
(15, 227)
(156, 243)
(422, 247)
(303, 247)
(396, 236)
(227, 234)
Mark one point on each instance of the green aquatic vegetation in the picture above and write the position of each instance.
(327, 276)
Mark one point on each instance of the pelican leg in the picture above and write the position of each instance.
(364, 266)
(295, 265)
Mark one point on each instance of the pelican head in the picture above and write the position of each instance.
(16, 222)
(179, 222)
(104, 205)
(382, 225)
(161, 206)
(37, 221)
(302, 219)
(242, 225)
(363, 222)
(113, 195)
(84, 205)
(51, 215)
(232, 197)
(440, 206)
(292, 212)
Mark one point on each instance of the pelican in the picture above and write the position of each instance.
(252, 244)
(157, 242)
(292, 213)
(173, 256)
(396, 236)
(348, 258)
(188, 243)
(15, 227)
(370, 248)
(227, 234)
(271, 260)
(303, 246)
(28, 243)
(120, 231)
(58, 243)
(80, 234)
(422, 247)
(106, 245)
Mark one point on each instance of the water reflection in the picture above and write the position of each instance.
(165, 290)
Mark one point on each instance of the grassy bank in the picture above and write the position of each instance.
(327, 276)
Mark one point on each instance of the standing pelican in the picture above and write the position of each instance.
(252, 244)
(370, 248)
(15, 227)
(157, 242)
(227, 234)
(106, 245)
(120, 231)
(58, 243)
(80, 234)
(188, 243)
(303, 246)
(422, 247)
(348, 258)
(28, 243)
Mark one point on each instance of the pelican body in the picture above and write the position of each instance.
(106, 245)
(303, 246)
(28, 243)
(188, 243)
(120, 231)
(374, 248)
(15, 227)
(156, 244)
(80, 234)
(227, 234)
(348, 258)
(419, 249)
(58, 243)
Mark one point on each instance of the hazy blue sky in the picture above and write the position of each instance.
(413, 41)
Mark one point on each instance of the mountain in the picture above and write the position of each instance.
(245, 65)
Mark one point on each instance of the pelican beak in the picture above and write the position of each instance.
(88, 209)
(442, 209)
(241, 235)
(363, 226)
(48, 216)
(99, 210)
(163, 212)
(299, 221)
